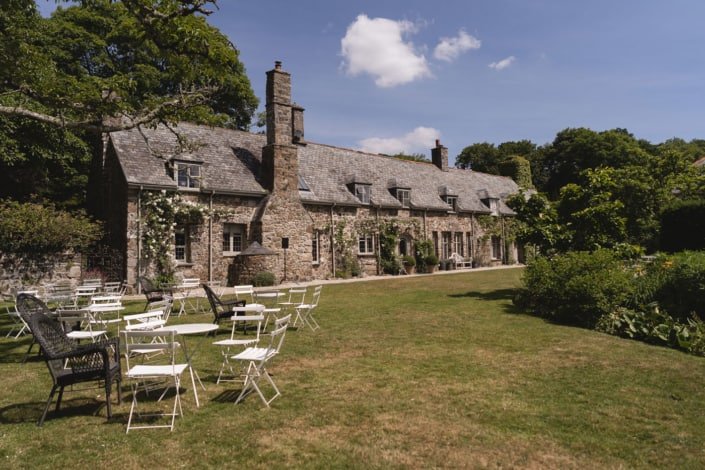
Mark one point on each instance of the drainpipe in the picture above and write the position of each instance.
(210, 238)
(425, 231)
(139, 238)
(332, 241)
(379, 245)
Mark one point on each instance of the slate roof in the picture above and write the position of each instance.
(231, 160)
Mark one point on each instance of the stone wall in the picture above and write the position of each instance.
(17, 271)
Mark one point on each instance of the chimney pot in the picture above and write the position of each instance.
(277, 65)
(438, 142)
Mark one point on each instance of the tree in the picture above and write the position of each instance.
(482, 157)
(538, 223)
(576, 150)
(101, 66)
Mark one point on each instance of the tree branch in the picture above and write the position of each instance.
(185, 100)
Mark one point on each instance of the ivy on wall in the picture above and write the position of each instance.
(162, 211)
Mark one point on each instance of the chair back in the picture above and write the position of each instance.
(164, 305)
(146, 321)
(297, 295)
(143, 342)
(51, 337)
(74, 319)
(150, 291)
(28, 305)
(213, 299)
(247, 291)
(316, 296)
(277, 334)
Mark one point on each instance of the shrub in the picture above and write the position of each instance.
(264, 278)
(431, 261)
(38, 229)
(677, 283)
(409, 260)
(683, 226)
(577, 288)
(423, 249)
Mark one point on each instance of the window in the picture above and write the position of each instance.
(181, 245)
(362, 192)
(458, 243)
(366, 245)
(233, 236)
(404, 196)
(315, 248)
(469, 244)
(188, 175)
(452, 201)
(435, 244)
(496, 248)
(493, 204)
(445, 245)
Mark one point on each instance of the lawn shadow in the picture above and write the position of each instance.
(16, 349)
(31, 412)
(494, 295)
(227, 396)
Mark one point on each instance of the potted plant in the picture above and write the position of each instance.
(431, 263)
(409, 264)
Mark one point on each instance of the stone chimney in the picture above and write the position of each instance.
(280, 164)
(297, 124)
(439, 156)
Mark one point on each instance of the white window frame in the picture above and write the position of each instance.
(316, 248)
(191, 175)
(446, 244)
(231, 230)
(452, 202)
(404, 196)
(363, 192)
(366, 245)
(458, 243)
(182, 252)
(494, 206)
(496, 247)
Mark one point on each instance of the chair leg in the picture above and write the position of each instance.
(46, 408)
(108, 388)
(29, 350)
(58, 399)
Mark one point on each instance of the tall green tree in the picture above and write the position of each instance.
(100, 66)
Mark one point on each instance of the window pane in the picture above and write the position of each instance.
(226, 240)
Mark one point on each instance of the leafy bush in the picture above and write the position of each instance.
(264, 278)
(431, 261)
(576, 288)
(422, 250)
(683, 226)
(38, 229)
(409, 261)
(655, 325)
(677, 283)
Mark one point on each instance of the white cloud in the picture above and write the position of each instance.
(502, 64)
(376, 46)
(450, 48)
(420, 140)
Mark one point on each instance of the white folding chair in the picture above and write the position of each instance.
(78, 324)
(245, 292)
(239, 337)
(164, 305)
(17, 326)
(166, 369)
(146, 321)
(106, 309)
(304, 312)
(257, 359)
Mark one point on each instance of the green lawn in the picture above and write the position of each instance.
(435, 371)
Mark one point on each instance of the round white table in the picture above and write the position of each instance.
(183, 330)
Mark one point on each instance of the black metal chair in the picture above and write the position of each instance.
(27, 305)
(222, 309)
(68, 362)
(152, 292)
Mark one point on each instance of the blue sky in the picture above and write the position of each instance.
(371, 74)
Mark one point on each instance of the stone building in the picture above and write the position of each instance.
(321, 209)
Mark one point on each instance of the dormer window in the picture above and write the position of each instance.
(404, 196)
(362, 192)
(452, 202)
(493, 204)
(187, 175)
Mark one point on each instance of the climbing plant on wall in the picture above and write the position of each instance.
(162, 211)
